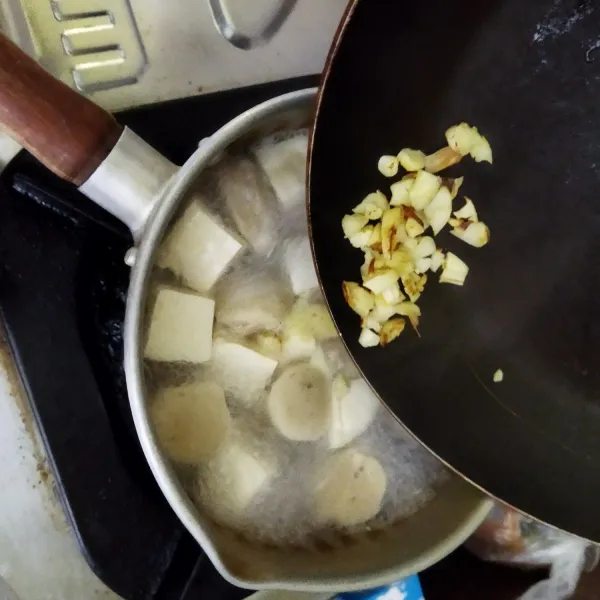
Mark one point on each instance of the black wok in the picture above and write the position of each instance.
(527, 73)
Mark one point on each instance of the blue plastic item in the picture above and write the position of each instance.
(408, 589)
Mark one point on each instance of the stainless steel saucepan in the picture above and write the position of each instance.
(115, 168)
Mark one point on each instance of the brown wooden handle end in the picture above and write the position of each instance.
(67, 132)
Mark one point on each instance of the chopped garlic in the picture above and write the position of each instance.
(424, 189)
(372, 206)
(370, 322)
(437, 260)
(361, 301)
(368, 339)
(455, 270)
(381, 281)
(414, 284)
(442, 159)
(439, 210)
(391, 330)
(423, 265)
(413, 227)
(383, 311)
(467, 211)
(367, 266)
(411, 160)
(401, 191)
(391, 222)
(425, 247)
(498, 376)
(392, 294)
(482, 152)
(353, 224)
(475, 234)
(375, 238)
(411, 311)
(465, 139)
(461, 138)
(397, 256)
(401, 262)
(362, 238)
(454, 185)
(388, 165)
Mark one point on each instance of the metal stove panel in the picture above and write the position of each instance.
(126, 53)
(92, 45)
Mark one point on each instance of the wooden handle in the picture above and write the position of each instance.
(67, 132)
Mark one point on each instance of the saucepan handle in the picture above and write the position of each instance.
(67, 132)
(78, 140)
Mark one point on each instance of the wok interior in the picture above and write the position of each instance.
(529, 304)
(360, 559)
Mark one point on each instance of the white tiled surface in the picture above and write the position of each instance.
(39, 558)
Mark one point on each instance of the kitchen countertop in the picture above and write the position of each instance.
(39, 558)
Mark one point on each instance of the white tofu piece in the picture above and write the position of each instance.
(299, 265)
(191, 421)
(251, 203)
(352, 413)
(181, 327)
(285, 166)
(250, 302)
(199, 248)
(234, 478)
(242, 371)
(339, 359)
(319, 361)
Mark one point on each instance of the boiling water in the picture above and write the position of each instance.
(258, 480)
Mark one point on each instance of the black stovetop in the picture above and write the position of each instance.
(63, 285)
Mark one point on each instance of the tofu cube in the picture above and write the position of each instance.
(251, 301)
(235, 477)
(299, 265)
(199, 248)
(242, 371)
(352, 413)
(251, 204)
(285, 165)
(181, 327)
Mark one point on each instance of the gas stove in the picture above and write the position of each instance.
(62, 297)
